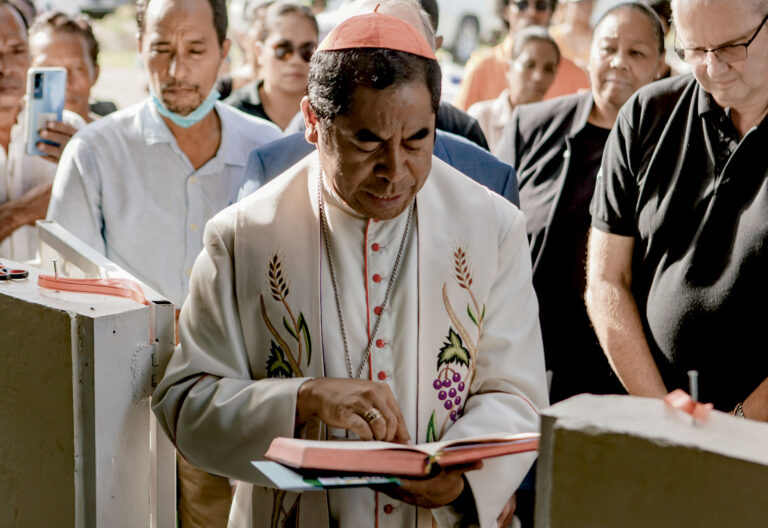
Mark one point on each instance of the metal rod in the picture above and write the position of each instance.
(693, 383)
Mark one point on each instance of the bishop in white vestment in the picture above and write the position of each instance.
(372, 289)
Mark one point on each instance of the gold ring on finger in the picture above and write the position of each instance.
(371, 415)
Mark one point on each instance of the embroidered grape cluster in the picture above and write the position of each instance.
(449, 394)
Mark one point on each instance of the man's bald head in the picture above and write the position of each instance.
(430, 6)
(409, 10)
(759, 6)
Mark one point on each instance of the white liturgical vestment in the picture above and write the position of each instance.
(458, 341)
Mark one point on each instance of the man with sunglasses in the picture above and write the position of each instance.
(485, 71)
(678, 251)
(139, 185)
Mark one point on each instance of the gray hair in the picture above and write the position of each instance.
(387, 6)
(643, 8)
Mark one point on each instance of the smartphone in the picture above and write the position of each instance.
(46, 94)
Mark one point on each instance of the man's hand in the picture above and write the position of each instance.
(434, 492)
(59, 133)
(507, 514)
(343, 403)
(25, 210)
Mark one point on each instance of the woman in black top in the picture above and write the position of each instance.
(285, 43)
(556, 147)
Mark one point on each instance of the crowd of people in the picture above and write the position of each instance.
(354, 256)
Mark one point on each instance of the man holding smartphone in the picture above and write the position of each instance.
(25, 181)
(140, 184)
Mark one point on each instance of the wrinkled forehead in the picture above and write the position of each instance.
(11, 24)
(170, 16)
(404, 107)
(710, 23)
(49, 39)
(627, 22)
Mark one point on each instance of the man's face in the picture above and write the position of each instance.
(524, 13)
(709, 25)
(14, 58)
(181, 52)
(379, 155)
(70, 51)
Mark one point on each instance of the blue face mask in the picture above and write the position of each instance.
(191, 118)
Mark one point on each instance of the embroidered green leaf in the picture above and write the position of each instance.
(453, 351)
(471, 315)
(277, 366)
(431, 429)
(304, 329)
(482, 315)
(288, 327)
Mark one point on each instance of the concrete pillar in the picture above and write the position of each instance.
(626, 462)
(76, 444)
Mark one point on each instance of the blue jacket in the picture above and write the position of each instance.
(276, 157)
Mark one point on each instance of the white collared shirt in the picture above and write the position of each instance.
(20, 173)
(126, 189)
(493, 116)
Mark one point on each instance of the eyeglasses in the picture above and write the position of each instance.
(729, 53)
(540, 5)
(285, 50)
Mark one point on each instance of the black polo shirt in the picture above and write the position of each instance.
(676, 176)
(248, 100)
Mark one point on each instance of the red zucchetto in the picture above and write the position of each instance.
(377, 30)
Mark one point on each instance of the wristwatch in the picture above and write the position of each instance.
(738, 410)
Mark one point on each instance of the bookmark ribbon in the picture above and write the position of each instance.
(116, 287)
(681, 400)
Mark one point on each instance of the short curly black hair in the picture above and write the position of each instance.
(334, 76)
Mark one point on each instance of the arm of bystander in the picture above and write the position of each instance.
(25, 210)
(614, 314)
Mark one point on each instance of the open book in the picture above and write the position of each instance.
(386, 458)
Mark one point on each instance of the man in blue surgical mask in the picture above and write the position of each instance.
(139, 185)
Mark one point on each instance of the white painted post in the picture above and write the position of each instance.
(79, 445)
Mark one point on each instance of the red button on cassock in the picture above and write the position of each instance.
(388, 508)
(376, 278)
(377, 310)
(380, 343)
(382, 375)
(375, 247)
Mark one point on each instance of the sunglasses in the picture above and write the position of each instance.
(540, 5)
(285, 50)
